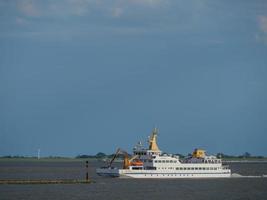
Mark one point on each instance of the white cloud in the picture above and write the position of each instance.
(21, 21)
(148, 2)
(28, 8)
(262, 35)
(263, 23)
(78, 7)
(112, 8)
(117, 12)
(63, 9)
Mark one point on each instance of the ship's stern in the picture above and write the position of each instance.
(108, 171)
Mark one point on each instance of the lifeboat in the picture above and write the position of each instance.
(136, 163)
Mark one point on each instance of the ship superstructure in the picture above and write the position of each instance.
(151, 162)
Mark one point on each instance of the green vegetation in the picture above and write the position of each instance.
(245, 156)
(103, 156)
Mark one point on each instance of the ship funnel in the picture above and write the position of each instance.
(153, 140)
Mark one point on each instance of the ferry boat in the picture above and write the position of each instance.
(151, 162)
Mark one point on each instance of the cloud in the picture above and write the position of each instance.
(148, 2)
(263, 23)
(115, 16)
(28, 8)
(114, 8)
(262, 35)
(79, 7)
(22, 21)
(117, 12)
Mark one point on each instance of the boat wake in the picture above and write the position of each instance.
(235, 175)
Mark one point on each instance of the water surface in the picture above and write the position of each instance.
(114, 188)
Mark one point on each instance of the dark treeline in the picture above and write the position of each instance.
(244, 155)
(17, 156)
(101, 155)
(219, 155)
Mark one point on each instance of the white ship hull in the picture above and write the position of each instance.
(125, 173)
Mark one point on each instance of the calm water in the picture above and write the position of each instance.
(113, 188)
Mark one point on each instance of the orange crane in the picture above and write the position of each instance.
(133, 161)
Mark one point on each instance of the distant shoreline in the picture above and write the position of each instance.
(70, 159)
(245, 161)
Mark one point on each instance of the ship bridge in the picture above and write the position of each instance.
(153, 148)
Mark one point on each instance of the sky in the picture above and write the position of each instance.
(84, 76)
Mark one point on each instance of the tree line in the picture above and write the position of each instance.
(101, 155)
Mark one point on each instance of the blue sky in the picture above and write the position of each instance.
(83, 76)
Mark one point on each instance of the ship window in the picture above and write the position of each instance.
(171, 161)
(151, 168)
(136, 168)
(177, 168)
(167, 161)
(163, 161)
(181, 168)
(159, 161)
(156, 161)
(175, 161)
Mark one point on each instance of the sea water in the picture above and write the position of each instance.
(115, 188)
